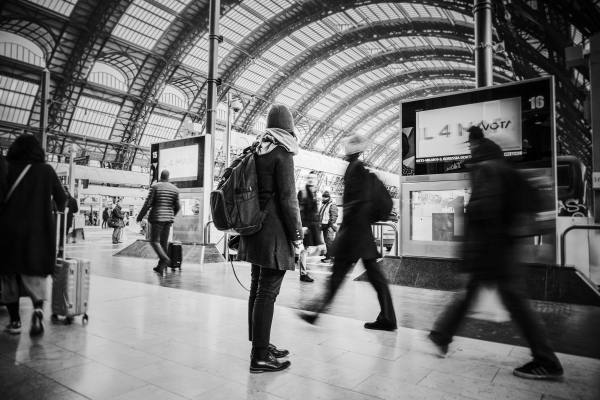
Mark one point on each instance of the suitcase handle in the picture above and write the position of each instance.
(64, 233)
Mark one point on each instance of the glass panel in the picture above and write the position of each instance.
(438, 215)
(16, 100)
(94, 118)
(143, 24)
(63, 7)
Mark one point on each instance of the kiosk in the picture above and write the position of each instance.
(435, 186)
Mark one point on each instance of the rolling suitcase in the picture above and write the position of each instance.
(175, 253)
(71, 282)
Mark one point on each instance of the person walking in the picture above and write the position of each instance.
(488, 256)
(117, 215)
(163, 203)
(105, 218)
(73, 208)
(328, 216)
(28, 234)
(271, 250)
(355, 241)
(309, 213)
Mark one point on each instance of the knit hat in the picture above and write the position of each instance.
(280, 117)
(325, 194)
(355, 144)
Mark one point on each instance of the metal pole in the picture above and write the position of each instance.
(227, 151)
(400, 215)
(483, 14)
(42, 135)
(71, 169)
(595, 99)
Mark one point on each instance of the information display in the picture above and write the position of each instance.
(517, 117)
(182, 162)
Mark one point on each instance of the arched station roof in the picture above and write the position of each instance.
(342, 66)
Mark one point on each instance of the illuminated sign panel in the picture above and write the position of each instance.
(181, 162)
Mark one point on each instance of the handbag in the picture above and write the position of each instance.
(113, 222)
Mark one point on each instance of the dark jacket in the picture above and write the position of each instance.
(309, 214)
(163, 202)
(28, 234)
(105, 214)
(331, 208)
(487, 249)
(355, 239)
(272, 247)
(73, 208)
(117, 214)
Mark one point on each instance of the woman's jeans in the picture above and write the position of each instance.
(116, 236)
(264, 289)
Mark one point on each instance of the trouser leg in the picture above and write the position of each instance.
(533, 330)
(10, 296)
(302, 260)
(377, 278)
(269, 284)
(254, 274)
(157, 234)
(35, 286)
(449, 321)
(334, 282)
(116, 235)
(328, 239)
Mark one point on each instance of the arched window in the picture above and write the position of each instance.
(21, 49)
(109, 76)
(174, 97)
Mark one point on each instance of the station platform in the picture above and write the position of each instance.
(184, 336)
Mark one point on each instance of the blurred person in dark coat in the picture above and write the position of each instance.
(73, 209)
(328, 215)
(105, 216)
(28, 234)
(355, 241)
(117, 215)
(309, 213)
(488, 255)
(163, 203)
(272, 249)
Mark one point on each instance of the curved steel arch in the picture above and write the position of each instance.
(38, 33)
(325, 49)
(290, 20)
(122, 61)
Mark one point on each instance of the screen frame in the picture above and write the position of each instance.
(183, 142)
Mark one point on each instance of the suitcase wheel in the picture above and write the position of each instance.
(54, 317)
(68, 321)
(85, 318)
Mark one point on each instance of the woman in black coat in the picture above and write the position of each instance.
(28, 234)
(355, 241)
(272, 249)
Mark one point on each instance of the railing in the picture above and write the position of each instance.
(563, 255)
(379, 226)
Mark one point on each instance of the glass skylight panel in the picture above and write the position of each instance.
(16, 100)
(159, 128)
(254, 77)
(142, 24)
(198, 56)
(268, 8)
(411, 10)
(435, 12)
(63, 7)
(94, 118)
(175, 5)
(460, 17)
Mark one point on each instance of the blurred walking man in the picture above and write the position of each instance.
(328, 215)
(163, 203)
(355, 241)
(309, 213)
(487, 255)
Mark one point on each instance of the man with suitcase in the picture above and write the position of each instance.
(163, 203)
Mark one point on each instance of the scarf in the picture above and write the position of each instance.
(273, 137)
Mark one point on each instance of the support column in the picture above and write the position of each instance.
(42, 134)
(594, 58)
(211, 103)
(484, 55)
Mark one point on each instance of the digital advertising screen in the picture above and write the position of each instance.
(517, 117)
(183, 158)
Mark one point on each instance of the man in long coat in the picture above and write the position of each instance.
(355, 241)
(488, 257)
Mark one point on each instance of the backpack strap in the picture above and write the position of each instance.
(19, 179)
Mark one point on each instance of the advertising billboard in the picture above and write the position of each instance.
(182, 162)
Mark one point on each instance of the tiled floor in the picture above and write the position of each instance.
(146, 341)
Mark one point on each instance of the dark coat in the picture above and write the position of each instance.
(355, 239)
(272, 247)
(73, 208)
(118, 215)
(309, 214)
(488, 249)
(162, 201)
(105, 214)
(28, 234)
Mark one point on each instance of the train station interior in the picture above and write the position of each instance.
(118, 91)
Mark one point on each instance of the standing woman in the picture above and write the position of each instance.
(271, 250)
(28, 234)
(117, 215)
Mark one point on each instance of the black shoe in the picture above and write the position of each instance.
(380, 327)
(271, 364)
(310, 318)
(533, 370)
(37, 322)
(158, 270)
(277, 353)
(441, 345)
(306, 278)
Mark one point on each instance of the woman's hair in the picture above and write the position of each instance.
(26, 148)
